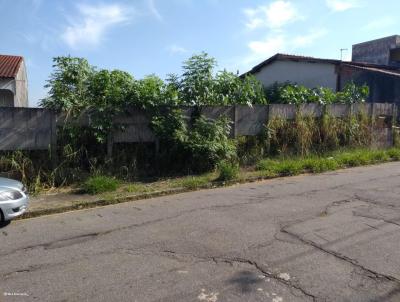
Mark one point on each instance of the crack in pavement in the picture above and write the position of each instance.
(375, 203)
(64, 242)
(263, 271)
(377, 217)
(372, 274)
(337, 203)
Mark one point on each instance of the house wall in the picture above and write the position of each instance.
(18, 86)
(383, 88)
(376, 51)
(303, 73)
(21, 84)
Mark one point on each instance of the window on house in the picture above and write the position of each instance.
(395, 55)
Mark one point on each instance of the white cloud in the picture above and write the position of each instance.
(280, 42)
(176, 49)
(309, 38)
(263, 49)
(93, 23)
(274, 15)
(153, 9)
(342, 5)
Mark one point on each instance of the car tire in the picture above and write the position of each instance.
(2, 220)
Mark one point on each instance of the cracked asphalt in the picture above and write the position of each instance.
(327, 237)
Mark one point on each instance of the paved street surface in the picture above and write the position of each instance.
(330, 237)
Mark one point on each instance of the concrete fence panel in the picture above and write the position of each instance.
(383, 109)
(338, 110)
(314, 110)
(284, 111)
(250, 120)
(136, 127)
(362, 108)
(26, 129)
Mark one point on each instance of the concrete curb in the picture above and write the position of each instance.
(81, 205)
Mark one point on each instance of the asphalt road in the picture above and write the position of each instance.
(329, 237)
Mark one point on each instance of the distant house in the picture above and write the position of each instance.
(13, 82)
(375, 63)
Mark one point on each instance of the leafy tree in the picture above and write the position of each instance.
(197, 82)
(68, 84)
(230, 89)
(172, 87)
(109, 93)
(252, 91)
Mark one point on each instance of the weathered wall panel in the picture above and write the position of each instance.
(282, 111)
(26, 129)
(34, 129)
(250, 120)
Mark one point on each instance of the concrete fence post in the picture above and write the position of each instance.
(53, 140)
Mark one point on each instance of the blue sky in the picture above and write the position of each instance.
(155, 36)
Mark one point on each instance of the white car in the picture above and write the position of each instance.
(13, 199)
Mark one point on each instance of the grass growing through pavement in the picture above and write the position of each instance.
(100, 184)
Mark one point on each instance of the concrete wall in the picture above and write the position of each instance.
(250, 121)
(35, 129)
(26, 129)
(308, 74)
(376, 51)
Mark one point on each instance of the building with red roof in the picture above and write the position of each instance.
(13, 82)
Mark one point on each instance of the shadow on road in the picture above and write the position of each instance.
(4, 224)
(245, 280)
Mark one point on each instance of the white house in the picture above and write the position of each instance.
(382, 80)
(13, 82)
(306, 71)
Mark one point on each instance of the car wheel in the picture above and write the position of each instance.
(1, 217)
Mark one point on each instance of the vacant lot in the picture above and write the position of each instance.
(328, 237)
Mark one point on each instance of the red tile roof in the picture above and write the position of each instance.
(9, 66)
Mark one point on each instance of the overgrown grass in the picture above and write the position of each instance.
(137, 188)
(228, 171)
(193, 182)
(329, 162)
(100, 184)
(306, 135)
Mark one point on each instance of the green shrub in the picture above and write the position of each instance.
(208, 143)
(100, 184)
(394, 153)
(228, 171)
(380, 155)
(290, 93)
